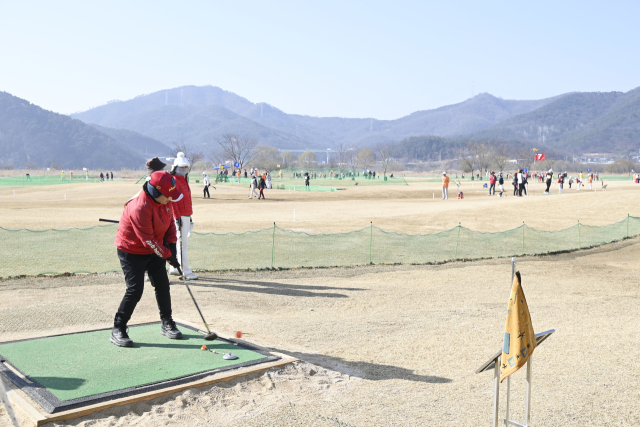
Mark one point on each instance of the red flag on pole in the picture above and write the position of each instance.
(539, 156)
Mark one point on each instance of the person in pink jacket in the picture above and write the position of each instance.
(182, 212)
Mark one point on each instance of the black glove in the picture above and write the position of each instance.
(173, 258)
(179, 221)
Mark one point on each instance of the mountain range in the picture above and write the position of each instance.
(31, 135)
(125, 133)
(200, 115)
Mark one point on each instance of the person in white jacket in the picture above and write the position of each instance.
(207, 183)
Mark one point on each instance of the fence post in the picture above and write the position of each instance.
(458, 239)
(627, 226)
(579, 245)
(371, 245)
(273, 244)
(522, 237)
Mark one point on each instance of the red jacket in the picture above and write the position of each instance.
(184, 206)
(492, 179)
(144, 225)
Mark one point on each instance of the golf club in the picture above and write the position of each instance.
(210, 335)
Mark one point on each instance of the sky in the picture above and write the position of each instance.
(323, 58)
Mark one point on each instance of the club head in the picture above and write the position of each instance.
(211, 336)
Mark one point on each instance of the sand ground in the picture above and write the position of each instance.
(379, 345)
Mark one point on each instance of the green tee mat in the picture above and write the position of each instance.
(70, 371)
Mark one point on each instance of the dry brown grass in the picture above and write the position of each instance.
(393, 346)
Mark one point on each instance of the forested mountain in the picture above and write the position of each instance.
(144, 145)
(29, 133)
(577, 122)
(199, 115)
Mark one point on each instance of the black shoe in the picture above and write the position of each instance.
(169, 330)
(120, 338)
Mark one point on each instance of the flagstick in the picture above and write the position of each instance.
(528, 405)
(513, 273)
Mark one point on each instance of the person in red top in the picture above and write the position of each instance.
(182, 212)
(146, 240)
(492, 183)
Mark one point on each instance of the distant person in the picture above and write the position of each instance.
(111, 176)
(62, 176)
(515, 184)
(492, 183)
(560, 183)
(445, 186)
(269, 181)
(70, 176)
(261, 186)
(245, 173)
(280, 174)
(253, 186)
(101, 176)
(306, 179)
(520, 178)
(549, 177)
(501, 183)
(590, 181)
(207, 183)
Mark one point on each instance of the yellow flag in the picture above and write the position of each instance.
(519, 338)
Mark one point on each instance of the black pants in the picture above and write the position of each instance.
(492, 187)
(206, 192)
(548, 186)
(134, 267)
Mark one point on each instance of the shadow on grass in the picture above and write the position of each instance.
(364, 370)
(272, 288)
(59, 383)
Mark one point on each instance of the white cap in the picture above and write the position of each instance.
(550, 170)
(181, 161)
(444, 173)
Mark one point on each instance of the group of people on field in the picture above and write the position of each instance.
(259, 182)
(519, 180)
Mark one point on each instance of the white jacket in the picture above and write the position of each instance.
(206, 181)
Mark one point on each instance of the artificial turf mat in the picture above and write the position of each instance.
(75, 367)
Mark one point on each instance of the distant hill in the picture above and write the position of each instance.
(199, 115)
(29, 133)
(578, 122)
(144, 145)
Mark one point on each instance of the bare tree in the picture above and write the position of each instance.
(346, 155)
(524, 155)
(307, 158)
(484, 155)
(352, 157)
(266, 157)
(500, 156)
(192, 156)
(288, 159)
(384, 155)
(235, 148)
(467, 155)
(365, 158)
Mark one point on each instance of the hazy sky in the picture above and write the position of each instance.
(322, 58)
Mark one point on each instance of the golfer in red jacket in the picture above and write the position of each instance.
(146, 240)
(182, 212)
